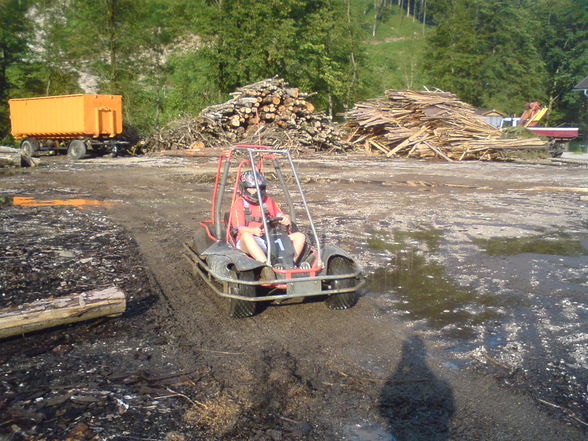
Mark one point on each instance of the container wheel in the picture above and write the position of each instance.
(341, 265)
(29, 146)
(242, 308)
(77, 149)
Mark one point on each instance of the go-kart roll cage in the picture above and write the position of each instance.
(224, 163)
(223, 251)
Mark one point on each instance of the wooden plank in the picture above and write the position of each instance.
(379, 146)
(414, 147)
(439, 152)
(464, 153)
(407, 141)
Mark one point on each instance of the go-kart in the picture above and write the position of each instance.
(321, 269)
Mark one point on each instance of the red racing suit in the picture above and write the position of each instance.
(248, 214)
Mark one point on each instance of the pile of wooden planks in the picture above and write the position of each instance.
(427, 125)
(267, 112)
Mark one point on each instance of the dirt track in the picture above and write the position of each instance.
(480, 365)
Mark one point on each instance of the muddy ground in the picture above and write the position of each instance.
(473, 325)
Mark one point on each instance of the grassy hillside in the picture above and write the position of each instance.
(394, 53)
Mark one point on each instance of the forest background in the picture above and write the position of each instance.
(173, 57)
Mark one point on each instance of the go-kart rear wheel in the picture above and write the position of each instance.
(201, 241)
(341, 265)
(242, 308)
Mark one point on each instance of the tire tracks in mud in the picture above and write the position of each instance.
(295, 358)
(318, 347)
(302, 363)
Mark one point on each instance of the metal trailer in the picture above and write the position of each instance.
(76, 123)
(559, 137)
(325, 270)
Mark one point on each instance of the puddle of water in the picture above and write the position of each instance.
(494, 340)
(397, 240)
(453, 365)
(423, 290)
(32, 202)
(5, 200)
(462, 347)
(559, 244)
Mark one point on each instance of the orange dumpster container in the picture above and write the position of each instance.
(66, 116)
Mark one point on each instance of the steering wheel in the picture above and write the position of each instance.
(273, 220)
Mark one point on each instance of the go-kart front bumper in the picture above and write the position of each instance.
(296, 287)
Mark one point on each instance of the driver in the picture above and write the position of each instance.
(247, 223)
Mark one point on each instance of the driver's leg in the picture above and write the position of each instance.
(248, 243)
(298, 240)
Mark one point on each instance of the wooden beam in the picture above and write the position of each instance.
(379, 146)
(439, 152)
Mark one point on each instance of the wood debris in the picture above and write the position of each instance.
(427, 125)
(267, 112)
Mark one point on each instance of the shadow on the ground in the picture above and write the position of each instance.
(414, 402)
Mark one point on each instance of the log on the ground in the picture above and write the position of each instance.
(43, 314)
(29, 161)
(9, 157)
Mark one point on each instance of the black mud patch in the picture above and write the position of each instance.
(61, 250)
(100, 379)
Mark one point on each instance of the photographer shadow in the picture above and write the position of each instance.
(415, 404)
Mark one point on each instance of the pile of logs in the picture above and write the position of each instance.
(428, 125)
(267, 112)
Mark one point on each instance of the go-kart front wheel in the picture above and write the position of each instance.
(242, 308)
(341, 265)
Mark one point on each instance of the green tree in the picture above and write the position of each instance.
(14, 27)
(307, 42)
(162, 25)
(453, 57)
(512, 68)
(47, 71)
(563, 42)
(125, 44)
(485, 52)
(101, 36)
(189, 85)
